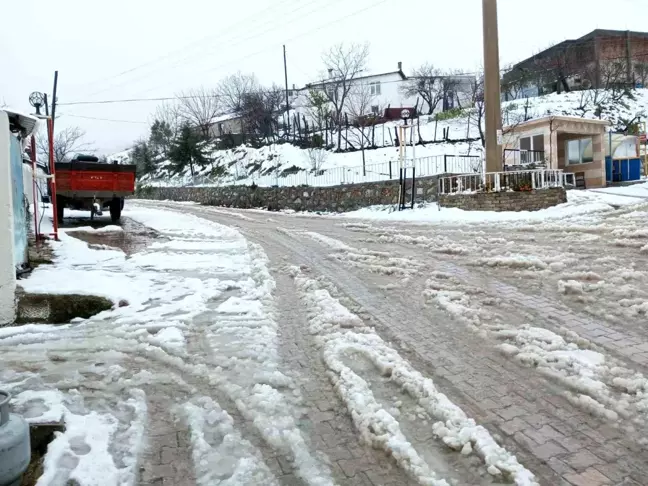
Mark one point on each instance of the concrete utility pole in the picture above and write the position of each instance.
(492, 87)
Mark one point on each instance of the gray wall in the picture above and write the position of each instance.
(336, 198)
(505, 201)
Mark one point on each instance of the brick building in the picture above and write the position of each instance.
(600, 59)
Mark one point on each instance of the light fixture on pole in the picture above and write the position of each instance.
(37, 99)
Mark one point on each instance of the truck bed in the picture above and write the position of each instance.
(93, 179)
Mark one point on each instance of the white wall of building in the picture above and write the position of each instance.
(388, 93)
(7, 268)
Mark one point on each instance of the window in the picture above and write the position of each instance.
(534, 143)
(330, 90)
(532, 149)
(374, 88)
(579, 151)
(375, 109)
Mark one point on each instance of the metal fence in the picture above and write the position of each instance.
(523, 180)
(522, 157)
(423, 166)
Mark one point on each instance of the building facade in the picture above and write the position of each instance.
(575, 145)
(373, 93)
(602, 59)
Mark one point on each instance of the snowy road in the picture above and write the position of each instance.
(261, 348)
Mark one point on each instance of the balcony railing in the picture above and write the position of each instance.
(522, 180)
(515, 158)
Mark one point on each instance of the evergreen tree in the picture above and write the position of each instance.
(161, 138)
(187, 149)
(142, 157)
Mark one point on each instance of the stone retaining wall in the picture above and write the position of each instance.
(505, 201)
(341, 198)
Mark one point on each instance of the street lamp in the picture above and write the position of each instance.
(37, 99)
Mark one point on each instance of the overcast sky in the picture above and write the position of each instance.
(118, 49)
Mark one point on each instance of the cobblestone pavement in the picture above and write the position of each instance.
(530, 411)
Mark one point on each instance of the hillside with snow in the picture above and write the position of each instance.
(286, 164)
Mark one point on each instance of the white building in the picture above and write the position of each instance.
(373, 93)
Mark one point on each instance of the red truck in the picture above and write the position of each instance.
(86, 184)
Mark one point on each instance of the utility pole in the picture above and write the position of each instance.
(492, 87)
(287, 100)
(54, 100)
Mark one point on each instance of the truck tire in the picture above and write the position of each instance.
(60, 209)
(115, 209)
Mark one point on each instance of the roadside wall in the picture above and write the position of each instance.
(505, 201)
(335, 198)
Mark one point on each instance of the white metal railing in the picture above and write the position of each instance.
(423, 166)
(522, 180)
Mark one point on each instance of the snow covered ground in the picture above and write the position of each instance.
(538, 319)
(199, 305)
(268, 348)
(192, 347)
(579, 204)
(285, 164)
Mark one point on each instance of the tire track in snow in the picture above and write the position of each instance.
(389, 311)
(325, 415)
(330, 322)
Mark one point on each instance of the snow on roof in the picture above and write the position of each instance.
(322, 82)
(26, 123)
(547, 119)
(226, 117)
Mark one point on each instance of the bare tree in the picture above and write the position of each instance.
(641, 73)
(67, 142)
(359, 107)
(426, 82)
(316, 157)
(515, 82)
(478, 110)
(233, 89)
(344, 64)
(360, 100)
(259, 109)
(198, 107)
(318, 107)
(169, 113)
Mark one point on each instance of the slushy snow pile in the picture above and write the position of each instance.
(337, 331)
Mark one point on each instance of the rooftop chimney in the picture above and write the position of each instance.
(400, 66)
(330, 71)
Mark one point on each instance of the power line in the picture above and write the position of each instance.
(103, 119)
(177, 97)
(183, 49)
(168, 98)
(317, 29)
(235, 41)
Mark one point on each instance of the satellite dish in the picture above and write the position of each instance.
(405, 114)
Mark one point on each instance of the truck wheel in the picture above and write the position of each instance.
(115, 209)
(60, 209)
